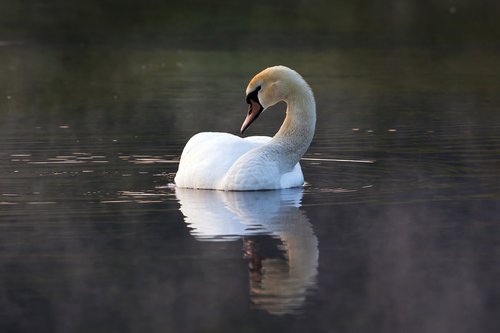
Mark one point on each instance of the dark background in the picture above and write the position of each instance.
(415, 251)
(242, 24)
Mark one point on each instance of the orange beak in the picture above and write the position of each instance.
(254, 110)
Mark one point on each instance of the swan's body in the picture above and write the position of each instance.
(224, 161)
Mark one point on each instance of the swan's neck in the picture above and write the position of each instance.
(297, 130)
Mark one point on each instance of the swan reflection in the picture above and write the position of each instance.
(278, 240)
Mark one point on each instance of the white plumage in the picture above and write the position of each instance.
(224, 161)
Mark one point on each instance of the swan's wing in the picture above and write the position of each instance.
(258, 139)
(261, 174)
(207, 156)
(259, 169)
(294, 178)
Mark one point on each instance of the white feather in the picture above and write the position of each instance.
(224, 161)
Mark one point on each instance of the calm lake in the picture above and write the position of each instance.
(396, 230)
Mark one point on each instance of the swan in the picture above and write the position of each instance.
(222, 161)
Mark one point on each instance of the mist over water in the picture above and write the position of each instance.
(395, 230)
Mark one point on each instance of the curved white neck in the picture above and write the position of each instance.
(297, 130)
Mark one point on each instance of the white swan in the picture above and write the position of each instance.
(224, 161)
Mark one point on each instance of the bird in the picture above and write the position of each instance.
(223, 161)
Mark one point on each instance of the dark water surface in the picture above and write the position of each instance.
(396, 230)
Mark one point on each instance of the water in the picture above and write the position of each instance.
(396, 229)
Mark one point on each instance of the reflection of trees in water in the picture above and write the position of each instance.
(185, 22)
(278, 240)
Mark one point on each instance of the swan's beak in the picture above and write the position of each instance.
(254, 110)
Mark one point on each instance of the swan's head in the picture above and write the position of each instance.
(272, 85)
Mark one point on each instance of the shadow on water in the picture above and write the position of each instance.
(279, 275)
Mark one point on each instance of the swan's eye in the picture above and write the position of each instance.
(253, 96)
